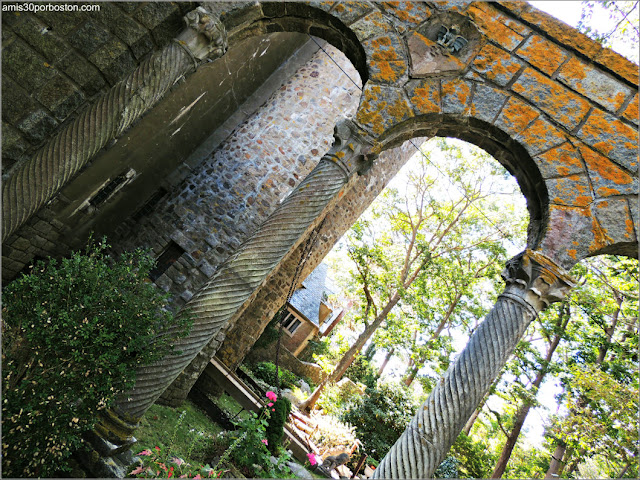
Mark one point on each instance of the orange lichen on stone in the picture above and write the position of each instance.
(457, 88)
(610, 136)
(561, 160)
(496, 64)
(631, 112)
(516, 116)
(617, 63)
(409, 12)
(425, 97)
(562, 105)
(604, 167)
(542, 54)
(572, 190)
(386, 65)
(381, 108)
(492, 23)
(369, 112)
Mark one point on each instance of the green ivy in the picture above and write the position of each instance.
(266, 371)
(74, 333)
(276, 422)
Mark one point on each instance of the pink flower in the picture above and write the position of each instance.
(265, 441)
(177, 461)
(170, 473)
(312, 458)
(272, 396)
(137, 471)
(197, 476)
(273, 409)
(270, 404)
(157, 448)
(145, 452)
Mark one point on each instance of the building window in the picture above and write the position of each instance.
(290, 323)
(111, 188)
(170, 255)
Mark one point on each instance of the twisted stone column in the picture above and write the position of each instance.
(249, 266)
(36, 181)
(533, 282)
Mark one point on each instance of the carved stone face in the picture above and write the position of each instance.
(444, 45)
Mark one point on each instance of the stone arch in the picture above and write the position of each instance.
(511, 154)
(271, 17)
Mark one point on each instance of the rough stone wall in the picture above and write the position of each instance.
(55, 62)
(233, 192)
(296, 342)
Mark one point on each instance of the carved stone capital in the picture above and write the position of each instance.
(350, 149)
(537, 279)
(205, 36)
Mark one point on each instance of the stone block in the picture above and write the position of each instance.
(114, 60)
(62, 23)
(424, 95)
(162, 18)
(206, 268)
(349, 12)
(570, 235)
(542, 54)
(128, 7)
(371, 25)
(16, 102)
(515, 116)
(494, 25)
(594, 84)
(607, 178)
(13, 146)
(37, 125)
(91, 36)
(60, 96)
(496, 65)
(540, 136)
(615, 220)
(427, 57)
(634, 208)
(25, 66)
(456, 94)
(127, 29)
(486, 103)
(557, 101)
(571, 191)
(40, 37)
(559, 161)
(83, 73)
(382, 107)
(611, 137)
(386, 58)
(410, 14)
(186, 295)
(631, 112)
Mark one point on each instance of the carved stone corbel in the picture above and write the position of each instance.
(350, 149)
(537, 280)
(206, 36)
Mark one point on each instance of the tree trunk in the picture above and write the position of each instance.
(386, 361)
(413, 371)
(556, 465)
(350, 354)
(523, 411)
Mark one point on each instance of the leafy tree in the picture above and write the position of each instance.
(600, 373)
(74, 333)
(621, 28)
(407, 237)
(380, 416)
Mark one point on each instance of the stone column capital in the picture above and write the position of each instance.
(205, 36)
(537, 279)
(351, 149)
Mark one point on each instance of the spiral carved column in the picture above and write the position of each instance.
(249, 266)
(36, 182)
(533, 282)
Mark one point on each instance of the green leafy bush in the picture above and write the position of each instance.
(266, 371)
(362, 371)
(280, 410)
(380, 416)
(74, 332)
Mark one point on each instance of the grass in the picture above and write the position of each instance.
(191, 435)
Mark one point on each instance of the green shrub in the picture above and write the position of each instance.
(362, 371)
(266, 371)
(275, 424)
(74, 332)
(380, 416)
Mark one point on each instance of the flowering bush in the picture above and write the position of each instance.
(74, 333)
(156, 465)
(250, 448)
